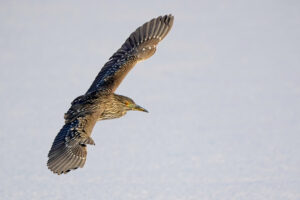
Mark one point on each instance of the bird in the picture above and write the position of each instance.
(100, 102)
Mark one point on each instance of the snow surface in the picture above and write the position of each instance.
(223, 91)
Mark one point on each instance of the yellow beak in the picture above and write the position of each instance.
(139, 108)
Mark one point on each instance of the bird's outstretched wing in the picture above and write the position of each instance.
(68, 150)
(140, 45)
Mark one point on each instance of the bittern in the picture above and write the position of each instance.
(69, 151)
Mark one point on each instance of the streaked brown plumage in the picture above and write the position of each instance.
(68, 150)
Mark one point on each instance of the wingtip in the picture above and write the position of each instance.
(169, 18)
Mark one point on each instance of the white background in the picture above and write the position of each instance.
(223, 91)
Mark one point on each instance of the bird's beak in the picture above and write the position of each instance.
(139, 108)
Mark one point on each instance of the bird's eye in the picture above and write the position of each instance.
(126, 103)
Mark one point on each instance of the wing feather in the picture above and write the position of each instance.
(68, 150)
(140, 45)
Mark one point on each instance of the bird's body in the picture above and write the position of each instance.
(68, 150)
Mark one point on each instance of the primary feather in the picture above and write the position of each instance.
(140, 45)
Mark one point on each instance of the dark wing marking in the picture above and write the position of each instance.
(85, 104)
(68, 150)
(140, 45)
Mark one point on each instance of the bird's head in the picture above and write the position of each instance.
(129, 104)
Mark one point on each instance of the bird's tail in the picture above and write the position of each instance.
(142, 42)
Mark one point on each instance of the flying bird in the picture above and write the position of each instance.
(69, 149)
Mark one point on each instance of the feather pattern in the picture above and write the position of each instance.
(68, 150)
(140, 45)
